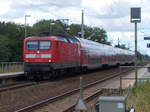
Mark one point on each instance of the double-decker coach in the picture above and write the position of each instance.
(95, 55)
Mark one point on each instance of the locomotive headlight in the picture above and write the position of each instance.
(46, 55)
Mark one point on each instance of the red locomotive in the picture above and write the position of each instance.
(53, 55)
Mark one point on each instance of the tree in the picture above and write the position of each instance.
(12, 35)
(15, 35)
(44, 28)
(74, 29)
(4, 49)
(60, 29)
(98, 35)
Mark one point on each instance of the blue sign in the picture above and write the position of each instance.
(146, 38)
(148, 45)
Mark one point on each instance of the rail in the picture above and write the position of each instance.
(17, 85)
(11, 67)
(53, 99)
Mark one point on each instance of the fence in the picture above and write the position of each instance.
(139, 80)
(11, 67)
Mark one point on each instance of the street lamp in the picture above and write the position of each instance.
(50, 29)
(26, 24)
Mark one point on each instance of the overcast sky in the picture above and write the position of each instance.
(112, 15)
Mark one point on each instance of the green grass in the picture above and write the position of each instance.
(139, 97)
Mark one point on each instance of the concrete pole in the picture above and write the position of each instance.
(136, 53)
(81, 90)
(50, 30)
(81, 87)
(82, 25)
(25, 32)
(118, 42)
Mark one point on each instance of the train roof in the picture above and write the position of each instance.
(57, 38)
(41, 38)
(84, 43)
(96, 45)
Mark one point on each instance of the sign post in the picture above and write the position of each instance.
(136, 18)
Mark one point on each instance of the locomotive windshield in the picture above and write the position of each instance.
(33, 45)
(44, 45)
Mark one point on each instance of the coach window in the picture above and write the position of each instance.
(31, 45)
(44, 45)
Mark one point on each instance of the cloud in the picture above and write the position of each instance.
(113, 10)
(19, 8)
(112, 15)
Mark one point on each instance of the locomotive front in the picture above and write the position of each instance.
(37, 55)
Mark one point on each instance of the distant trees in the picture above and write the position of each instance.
(44, 27)
(97, 34)
(4, 48)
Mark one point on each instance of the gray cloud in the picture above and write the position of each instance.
(114, 10)
(113, 17)
(19, 8)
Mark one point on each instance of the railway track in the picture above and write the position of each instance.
(16, 85)
(69, 93)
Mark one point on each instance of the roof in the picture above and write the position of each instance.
(112, 98)
(45, 37)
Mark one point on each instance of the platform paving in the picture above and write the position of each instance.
(10, 74)
(115, 84)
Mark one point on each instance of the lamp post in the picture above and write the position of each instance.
(82, 25)
(26, 24)
(50, 28)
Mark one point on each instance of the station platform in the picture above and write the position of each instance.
(129, 79)
(10, 75)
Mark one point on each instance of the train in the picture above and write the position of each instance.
(49, 56)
